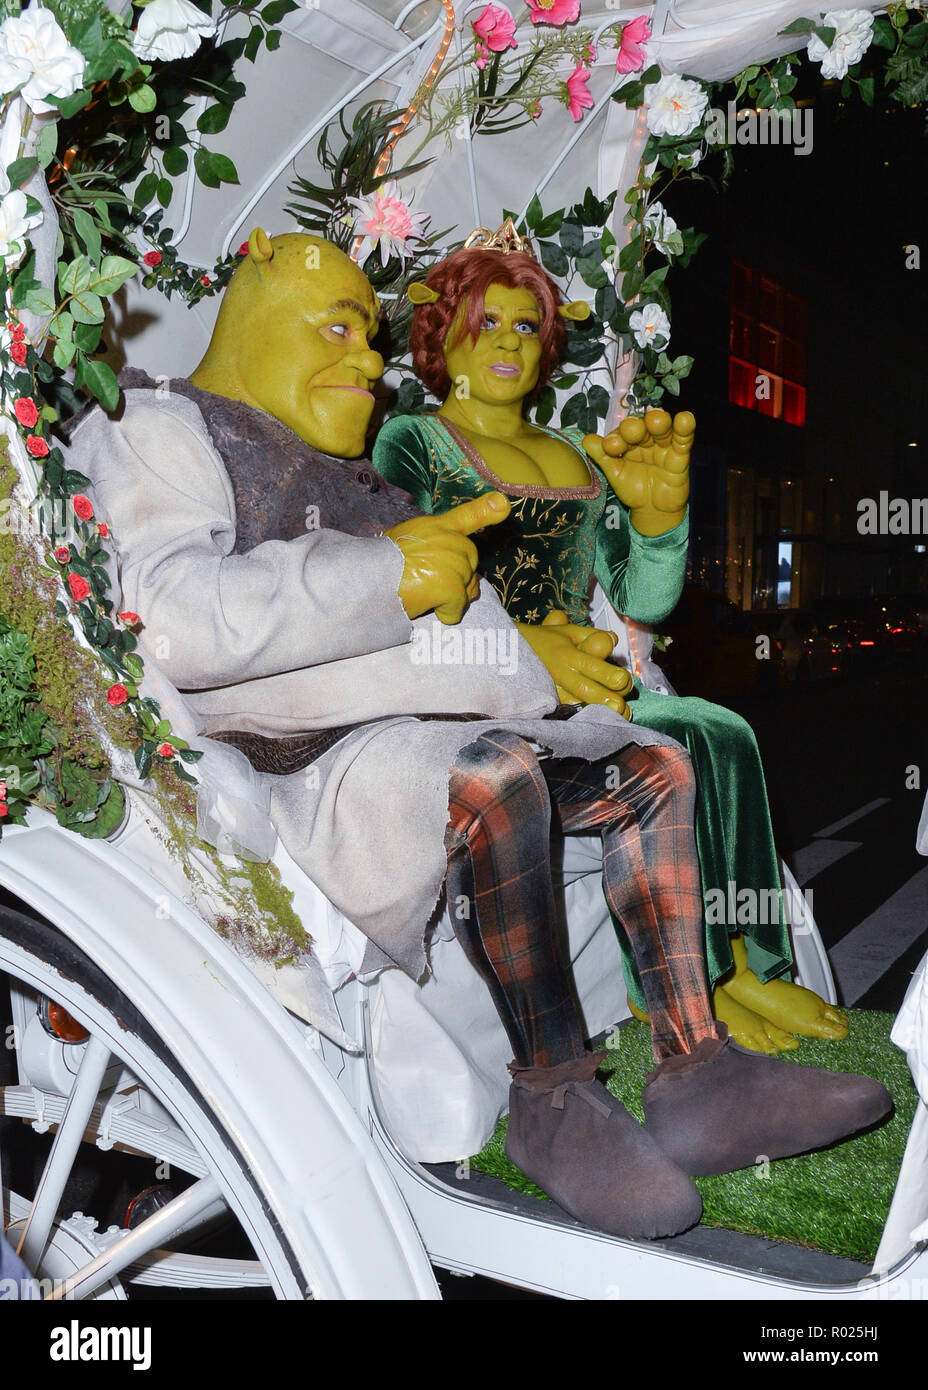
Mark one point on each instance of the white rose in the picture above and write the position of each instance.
(853, 36)
(674, 105)
(36, 57)
(15, 222)
(170, 29)
(649, 323)
(660, 224)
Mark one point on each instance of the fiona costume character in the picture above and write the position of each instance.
(487, 332)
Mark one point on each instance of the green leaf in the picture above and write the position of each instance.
(253, 43)
(76, 275)
(553, 258)
(40, 301)
(533, 213)
(86, 307)
(88, 232)
(671, 384)
(62, 326)
(682, 365)
(175, 160)
(224, 168)
(867, 85)
(87, 336)
(274, 12)
(570, 235)
(214, 119)
(165, 192)
(798, 26)
(63, 353)
(272, 40)
(203, 164)
(143, 99)
(109, 815)
(551, 224)
(21, 170)
(101, 381)
(825, 33)
(631, 284)
(592, 272)
(883, 34)
(630, 255)
(69, 106)
(146, 190)
(114, 271)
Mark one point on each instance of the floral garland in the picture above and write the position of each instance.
(71, 74)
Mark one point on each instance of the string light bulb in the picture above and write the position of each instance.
(422, 92)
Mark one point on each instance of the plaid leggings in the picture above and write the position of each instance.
(501, 899)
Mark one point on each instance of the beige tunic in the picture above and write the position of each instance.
(310, 633)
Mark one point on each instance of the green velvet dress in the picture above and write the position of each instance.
(544, 556)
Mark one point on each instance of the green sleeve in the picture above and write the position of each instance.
(642, 576)
(401, 455)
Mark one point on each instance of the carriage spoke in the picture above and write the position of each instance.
(64, 1150)
(198, 1203)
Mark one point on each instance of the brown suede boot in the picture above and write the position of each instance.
(722, 1107)
(575, 1140)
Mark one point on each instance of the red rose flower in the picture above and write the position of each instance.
(83, 506)
(25, 412)
(2, 791)
(205, 280)
(165, 750)
(117, 695)
(17, 330)
(62, 554)
(243, 249)
(153, 258)
(129, 618)
(78, 586)
(104, 530)
(36, 446)
(18, 353)
(4, 809)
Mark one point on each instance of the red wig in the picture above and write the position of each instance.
(467, 275)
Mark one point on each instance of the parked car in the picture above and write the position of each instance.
(858, 625)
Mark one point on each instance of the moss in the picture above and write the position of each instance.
(69, 677)
(261, 920)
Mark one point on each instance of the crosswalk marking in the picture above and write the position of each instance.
(819, 855)
(854, 816)
(860, 958)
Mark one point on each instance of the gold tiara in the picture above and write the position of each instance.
(504, 239)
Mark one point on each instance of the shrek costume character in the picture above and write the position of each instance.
(282, 636)
(486, 333)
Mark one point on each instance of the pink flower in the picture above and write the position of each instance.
(482, 55)
(533, 109)
(589, 53)
(578, 93)
(635, 35)
(2, 791)
(383, 217)
(554, 11)
(494, 29)
(26, 412)
(117, 695)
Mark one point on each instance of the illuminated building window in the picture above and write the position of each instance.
(767, 346)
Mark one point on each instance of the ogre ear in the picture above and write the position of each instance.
(259, 246)
(577, 310)
(418, 293)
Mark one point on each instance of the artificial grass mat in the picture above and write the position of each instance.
(835, 1200)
